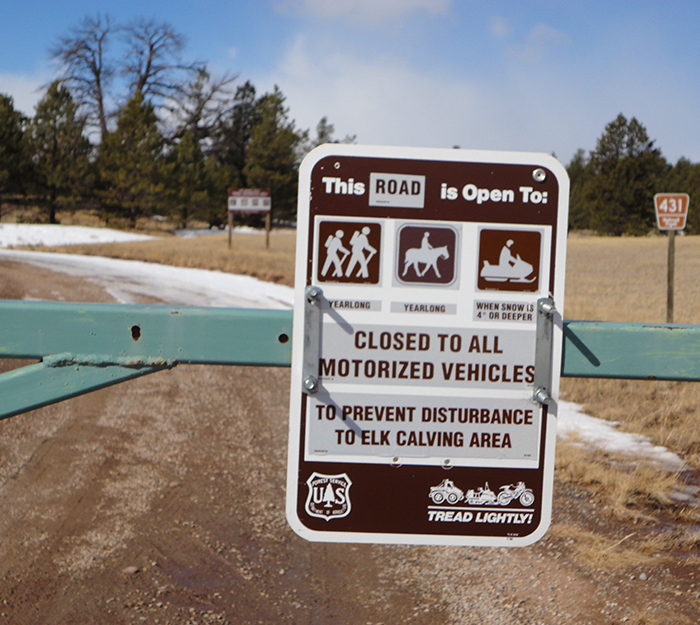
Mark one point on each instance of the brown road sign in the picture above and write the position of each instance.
(412, 417)
(249, 201)
(671, 210)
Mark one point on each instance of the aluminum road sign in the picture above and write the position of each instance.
(420, 280)
(671, 210)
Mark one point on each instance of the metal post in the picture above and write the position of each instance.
(230, 227)
(671, 273)
(267, 231)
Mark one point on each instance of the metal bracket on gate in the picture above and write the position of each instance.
(542, 391)
(313, 298)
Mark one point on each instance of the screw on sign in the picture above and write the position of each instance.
(671, 210)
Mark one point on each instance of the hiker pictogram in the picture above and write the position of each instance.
(426, 254)
(518, 258)
(360, 245)
(334, 246)
(359, 263)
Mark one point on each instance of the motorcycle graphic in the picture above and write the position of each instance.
(509, 493)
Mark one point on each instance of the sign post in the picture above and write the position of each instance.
(246, 202)
(671, 215)
(426, 345)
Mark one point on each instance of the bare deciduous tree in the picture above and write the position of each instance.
(153, 63)
(86, 70)
(201, 105)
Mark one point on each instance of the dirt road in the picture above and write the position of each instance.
(162, 501)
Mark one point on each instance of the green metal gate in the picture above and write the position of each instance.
(85, 347)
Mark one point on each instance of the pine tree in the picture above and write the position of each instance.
(59, 150)
(684, 177)
(132, 169)
(13, 165)
(272, 153)
(231, 135)
(622, 176)
(197, 188)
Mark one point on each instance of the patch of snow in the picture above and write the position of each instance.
(179, 286)
(52, 235)
(605, 435)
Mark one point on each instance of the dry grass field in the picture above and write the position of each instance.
(608, 279)
(612, 279)
(247, 255)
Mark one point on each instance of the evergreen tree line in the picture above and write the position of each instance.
(613, 187)
(131, 129)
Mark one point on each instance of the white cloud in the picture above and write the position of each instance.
(540, 40)
(370, 12)
(500, 27)
(26, 91)
(379, 100)
(385, 101)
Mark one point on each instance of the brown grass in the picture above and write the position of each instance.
(602, 553)
(630, 488)
(624, 279)
(247, 254)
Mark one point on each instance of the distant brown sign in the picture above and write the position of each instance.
(249, 201)
(671, 210)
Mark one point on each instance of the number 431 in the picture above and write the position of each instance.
(671, 205)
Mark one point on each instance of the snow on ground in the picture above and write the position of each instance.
(605, 435)
(126, 279)
(203, 232)
(53, 235)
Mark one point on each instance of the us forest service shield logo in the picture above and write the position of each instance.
(329, 496)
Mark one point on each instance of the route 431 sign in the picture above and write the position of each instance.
(427, 345)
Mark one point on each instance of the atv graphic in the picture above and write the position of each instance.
(508, 493)
(446, 490)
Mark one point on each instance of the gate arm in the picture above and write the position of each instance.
(84, 347)
(636, 351)
(38, 385)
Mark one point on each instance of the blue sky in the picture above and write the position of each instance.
(523, 75)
